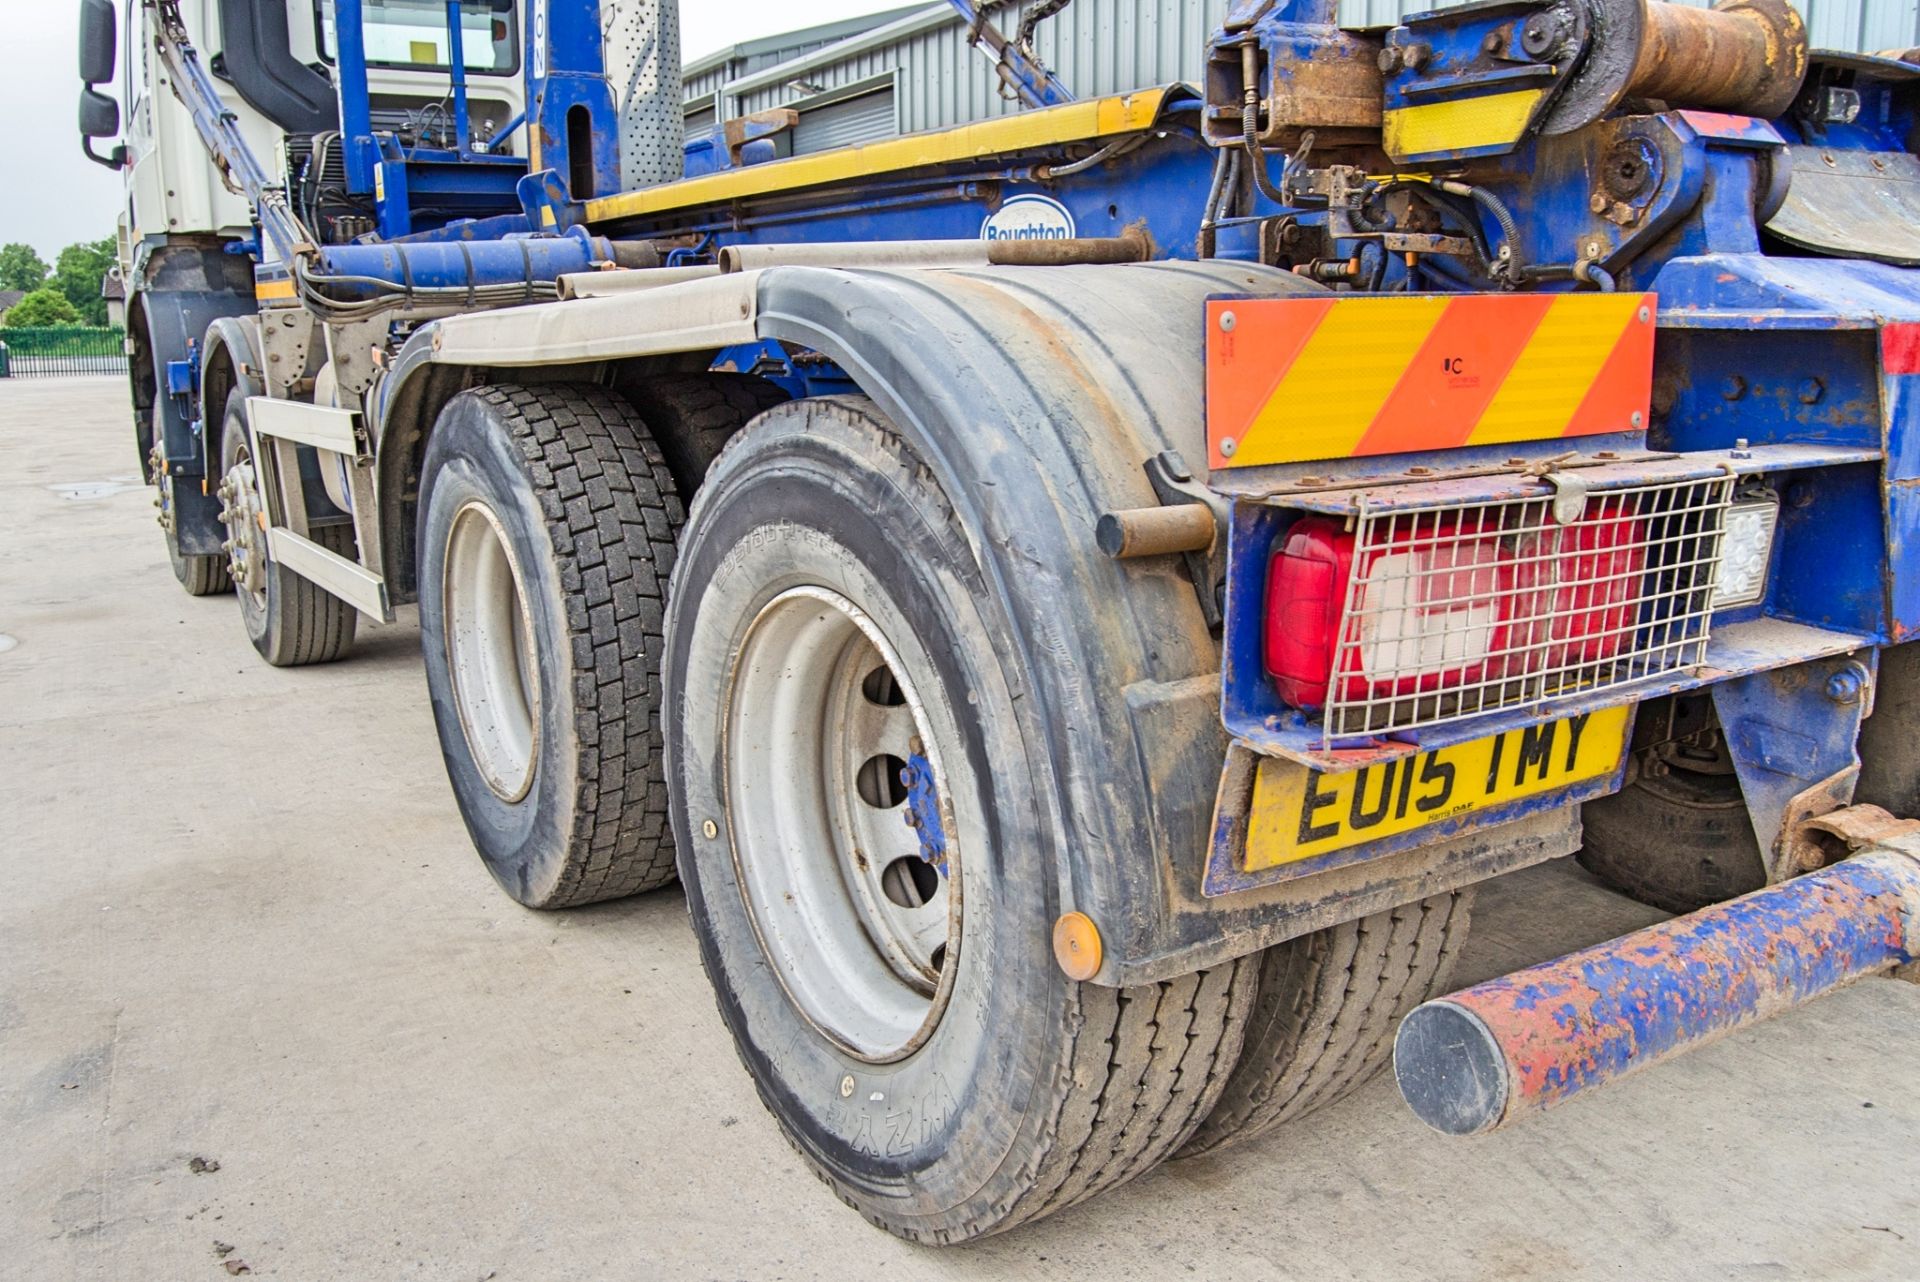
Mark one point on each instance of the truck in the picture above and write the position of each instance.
(1080, 599)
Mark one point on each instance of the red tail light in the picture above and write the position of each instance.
(1306, 591)
(1446, 602)
(1598, 564)
(1426, 613)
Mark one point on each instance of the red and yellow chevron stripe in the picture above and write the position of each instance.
(1296, 380)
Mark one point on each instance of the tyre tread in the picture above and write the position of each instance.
(695, 415)
(318, 627)
(613, 515)
(1679, 842)
(203, 575)
(1147, 1063)
(1328, 1006)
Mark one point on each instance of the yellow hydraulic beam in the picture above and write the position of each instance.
(1028, 131)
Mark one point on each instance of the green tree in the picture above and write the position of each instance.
(21, 268)
(77, 273)
(46, 306)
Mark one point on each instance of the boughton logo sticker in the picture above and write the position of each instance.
(1029, 217)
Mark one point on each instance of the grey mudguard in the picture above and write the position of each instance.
(1037, 395)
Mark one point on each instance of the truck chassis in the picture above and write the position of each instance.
(1080, 600)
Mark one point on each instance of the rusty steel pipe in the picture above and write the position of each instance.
(1746, 56)
(1156, 531)
(938, 253)
(1095, 250)
(1478, 1059)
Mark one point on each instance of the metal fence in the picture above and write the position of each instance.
(35, 353)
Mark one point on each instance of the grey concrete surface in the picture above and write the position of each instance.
(240, 924)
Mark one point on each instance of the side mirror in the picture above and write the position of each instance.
(97, 41)
(100, 118)
(99, 115)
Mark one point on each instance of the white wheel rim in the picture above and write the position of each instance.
(858, 922)
(490, 652)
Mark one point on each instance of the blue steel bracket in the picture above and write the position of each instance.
(1793, 734)
(546, 203)
(1609, 194)
(566, 84)
(1023, 77)
(923, 810)
(1478, 53)
(183, 385)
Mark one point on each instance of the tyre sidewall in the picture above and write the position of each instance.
(803, 497)
(472, 457)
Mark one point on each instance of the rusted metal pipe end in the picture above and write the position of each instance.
(1479, 1059)
(636, 254)
(1747, 56)
(1156, 531)
(1468, 1096)
(1743, 56)
(1095, 250)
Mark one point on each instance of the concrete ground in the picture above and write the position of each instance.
(259, 1003)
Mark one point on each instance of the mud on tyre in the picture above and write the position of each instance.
(938, 1070)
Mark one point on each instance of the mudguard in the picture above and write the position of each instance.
(183, 290)
(1037, 396)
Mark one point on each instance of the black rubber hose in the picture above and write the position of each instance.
(1250, 126)
(1210, 221)
(1509, 229)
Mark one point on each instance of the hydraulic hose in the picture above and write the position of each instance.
(1498, 211)
(1250, 124)
(1112, 151)
(1209, 222)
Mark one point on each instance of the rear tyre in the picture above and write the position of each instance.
(292, 621)
(835, 668)
(546, 534)
(693, 416)
(1678, 841)
(1328, 1006)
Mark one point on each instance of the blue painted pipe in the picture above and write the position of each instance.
(1477, 1059)
(461, 264)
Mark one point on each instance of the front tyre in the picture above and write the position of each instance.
(867, 839)
(546, 532)
(200, 575)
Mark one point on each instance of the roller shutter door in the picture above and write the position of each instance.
(867, 118)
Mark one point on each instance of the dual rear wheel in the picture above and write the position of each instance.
(862, 824)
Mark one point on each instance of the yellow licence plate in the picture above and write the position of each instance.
(1299, 812)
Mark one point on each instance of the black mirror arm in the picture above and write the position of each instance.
(115, 159)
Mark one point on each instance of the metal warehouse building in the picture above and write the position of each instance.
(911, 69)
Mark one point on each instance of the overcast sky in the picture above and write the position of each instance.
(55, 196)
